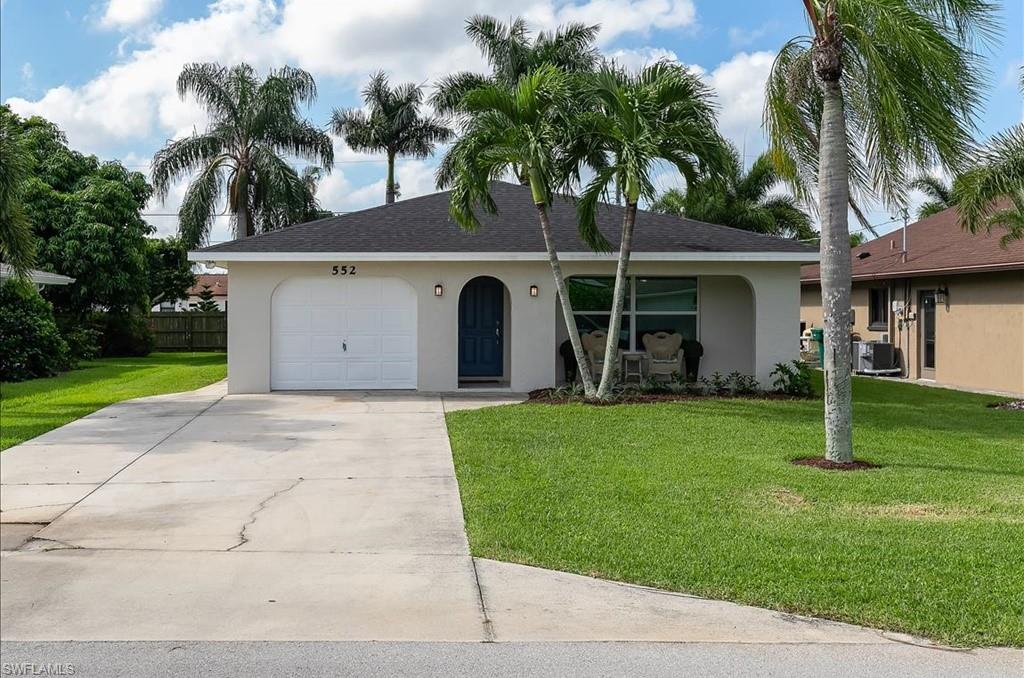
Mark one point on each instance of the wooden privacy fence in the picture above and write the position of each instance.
(189, 331)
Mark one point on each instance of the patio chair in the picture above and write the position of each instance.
(664, 354)
(594, 344)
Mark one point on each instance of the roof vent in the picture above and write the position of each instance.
(892, 244)
(864, 255)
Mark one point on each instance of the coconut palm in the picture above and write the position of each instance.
(663, 114)
(254, 125)
(521, 130)
(889, 87)
(392, 125)
(997, 172)
(511, 54)
(17, 244)
(741, 199)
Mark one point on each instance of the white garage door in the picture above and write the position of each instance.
(343, 333)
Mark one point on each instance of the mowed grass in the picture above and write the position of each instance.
(701, 497)
(31, 408)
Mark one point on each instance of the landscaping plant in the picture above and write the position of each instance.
(30, 344)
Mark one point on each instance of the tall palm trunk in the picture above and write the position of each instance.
(389, 191)
(834, 195)
(244, 227)
(618, 300)
(563, 297)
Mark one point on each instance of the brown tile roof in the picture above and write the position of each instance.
(935, 244)
(218, 283)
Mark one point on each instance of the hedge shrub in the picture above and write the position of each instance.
(125, 335)
(30, 344)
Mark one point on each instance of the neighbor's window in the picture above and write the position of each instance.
(651, 305)
(878, 309)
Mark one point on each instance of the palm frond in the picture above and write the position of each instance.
(195, 216)
(183, 157)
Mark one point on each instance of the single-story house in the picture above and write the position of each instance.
(399, 297)
(37, 278)
(217, 283)
(951, 302)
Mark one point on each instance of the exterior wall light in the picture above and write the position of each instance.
(438, 290)
(942, 295)
(534, 291)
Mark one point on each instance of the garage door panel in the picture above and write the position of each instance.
(374, 317)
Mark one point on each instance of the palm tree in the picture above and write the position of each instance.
(741, 199)
(892, 88)
(663, 114)
(17, 244)
(511, 54)
(938, 191)
(997, 172)
(254, 124)
(393, 125)
(520, 130)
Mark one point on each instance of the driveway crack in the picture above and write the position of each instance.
(242, 537)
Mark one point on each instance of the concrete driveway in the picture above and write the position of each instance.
(201, 516)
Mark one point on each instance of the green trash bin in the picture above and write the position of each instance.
(818, 335)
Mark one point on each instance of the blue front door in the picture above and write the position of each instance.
(481, 335)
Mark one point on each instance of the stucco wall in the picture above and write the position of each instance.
(979, 332)
(727, 316)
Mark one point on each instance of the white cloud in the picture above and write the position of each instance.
(739, 84)
(744, 37)
(635, 59)
(616, 17)
(125, 14)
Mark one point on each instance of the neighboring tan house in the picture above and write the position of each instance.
(399, 297)
(216, 282)
(953, 304)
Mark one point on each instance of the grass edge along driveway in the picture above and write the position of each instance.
(701, 497)
(31, 408)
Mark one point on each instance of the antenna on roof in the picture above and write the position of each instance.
(906, 217)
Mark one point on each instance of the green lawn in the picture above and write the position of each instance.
(700, 497)
(30, 408)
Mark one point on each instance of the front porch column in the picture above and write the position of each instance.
(776, 317)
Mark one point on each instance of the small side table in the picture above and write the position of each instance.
(633, 365)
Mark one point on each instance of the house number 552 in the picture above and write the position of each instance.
(343, 270)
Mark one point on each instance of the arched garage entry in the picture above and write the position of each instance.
(344, 332)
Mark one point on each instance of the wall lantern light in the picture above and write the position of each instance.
(534, 291)
(942, 295)
(438, 290)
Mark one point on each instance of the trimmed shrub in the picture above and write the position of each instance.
(125, 335)
(82, 337)
(30, 344)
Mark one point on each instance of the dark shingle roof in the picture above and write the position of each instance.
(934, 244)
(423, 225)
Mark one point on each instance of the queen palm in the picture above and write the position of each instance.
(663, 114)
(254, 125)
(511, 53)
(520, 130)
(892, 87)
(392, 125)
(997, 172)
(17, 244)
(741, 199)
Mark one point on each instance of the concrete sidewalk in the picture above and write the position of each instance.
(300, 517)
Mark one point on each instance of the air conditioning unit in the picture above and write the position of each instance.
(874, 357)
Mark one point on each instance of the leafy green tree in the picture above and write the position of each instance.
(741, 199)
(169, 270)
(512, 53)
(206, 303)
(86, 216)
(877, 92)
(663, 114)
(522, 129)
(30, 344)
(255, 124)
(17, 244)
(392, 125)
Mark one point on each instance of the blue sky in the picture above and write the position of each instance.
(105, 70)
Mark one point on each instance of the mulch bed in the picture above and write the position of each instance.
(822, 463)
(547, 397)
(1017, 405)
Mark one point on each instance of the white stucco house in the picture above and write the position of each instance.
(399, 297)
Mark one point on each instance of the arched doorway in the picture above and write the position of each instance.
(483, 330)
